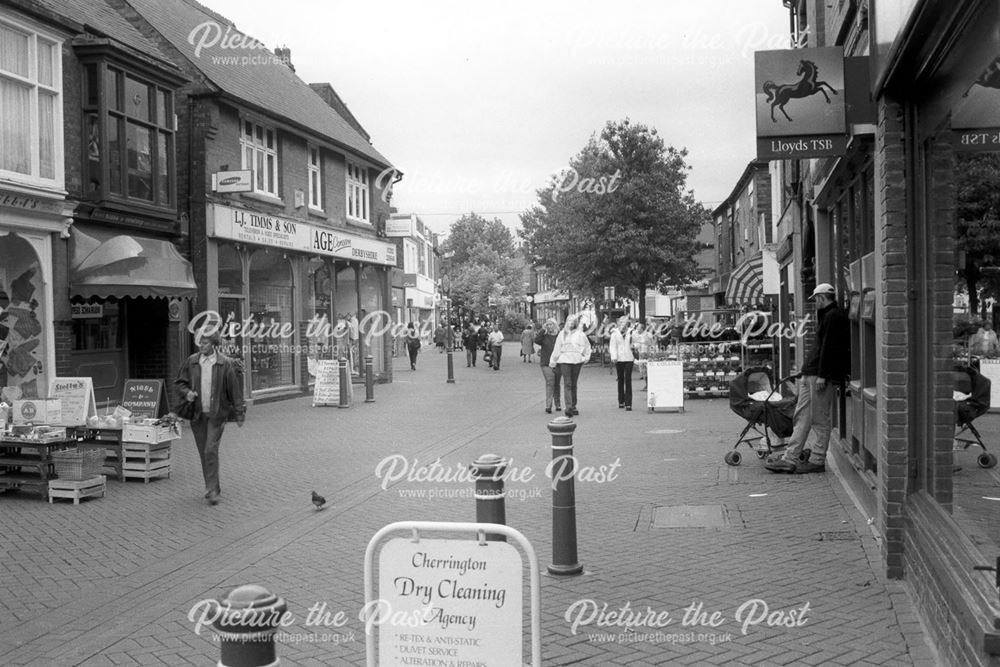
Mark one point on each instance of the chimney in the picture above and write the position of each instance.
(284, 54)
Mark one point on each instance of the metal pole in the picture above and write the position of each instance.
(369, 379)
(488, 470)
(563, 471)
(245, 623)
(345, 380)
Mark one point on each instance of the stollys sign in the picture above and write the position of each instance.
(800, 103)
(450, 602)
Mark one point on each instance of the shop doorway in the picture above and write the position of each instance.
(100, 350)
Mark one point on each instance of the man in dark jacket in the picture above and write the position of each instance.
(208, 379)
(828, 365)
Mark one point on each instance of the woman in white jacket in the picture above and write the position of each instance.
(624, 361)
(570, 353)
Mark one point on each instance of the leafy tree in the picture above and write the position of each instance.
(619, 216)
(484, 269)
(978, 194)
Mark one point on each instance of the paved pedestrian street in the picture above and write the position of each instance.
(687, 561)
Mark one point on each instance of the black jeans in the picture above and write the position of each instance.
(470, 355)
(570, 374)
(413, 355)
(496, 350)
(624, 370)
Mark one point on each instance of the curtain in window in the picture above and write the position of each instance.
(46, 135)
(14, 51)
(15, 127)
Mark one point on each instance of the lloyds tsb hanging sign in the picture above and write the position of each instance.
(800, 103)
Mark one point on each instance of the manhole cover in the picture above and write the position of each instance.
(690, 516)
(837, 535)
(666, 431)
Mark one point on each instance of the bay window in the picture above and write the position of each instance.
(129, 128)
(30, 105)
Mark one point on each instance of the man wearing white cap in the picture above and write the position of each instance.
(828, 365)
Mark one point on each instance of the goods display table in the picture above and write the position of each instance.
(26, 463)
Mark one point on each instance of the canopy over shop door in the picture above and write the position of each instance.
(746, 283)
(109, 264)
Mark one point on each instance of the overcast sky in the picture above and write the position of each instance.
(479, 104)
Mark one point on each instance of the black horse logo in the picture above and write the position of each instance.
(988, 78)
(780, 94)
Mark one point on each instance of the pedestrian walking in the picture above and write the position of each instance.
(440, 338)
(412, 344)
(496, 346)
(527, 343)
(470, 340)
(208, 379)
(546, 341)
(572, 350)
(829, 364)
(620, 344)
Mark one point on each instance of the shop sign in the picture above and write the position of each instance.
(396, 227)
(269, 230)
(144, 398)
(233, 181)
(800, 103)
(448, 601)
(85, 311)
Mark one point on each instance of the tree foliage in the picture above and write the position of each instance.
(620, 216)
(483, 265)
(978, 195)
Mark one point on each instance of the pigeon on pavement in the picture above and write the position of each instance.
(318, 500)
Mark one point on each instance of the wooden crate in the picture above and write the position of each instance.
(146, 461)
(65, 488)
(149, 434)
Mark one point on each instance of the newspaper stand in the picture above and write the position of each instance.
(381, 543)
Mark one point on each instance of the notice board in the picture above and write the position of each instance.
(990, 368)
(144, 399)
(77, 396)
(326, 391)
(665, 385)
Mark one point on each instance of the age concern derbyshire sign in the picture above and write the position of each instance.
(249, 226)
(800, 103)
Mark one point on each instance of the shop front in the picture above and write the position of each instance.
(126, 293)
(290, 293)
(28, 225)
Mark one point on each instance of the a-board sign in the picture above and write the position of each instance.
(455, 601)
(37, 411)
(990, 368)
(665, 385)
(77, 396)
(327, 388)
(144, 399)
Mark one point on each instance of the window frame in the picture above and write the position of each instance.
(257, 143)
(108, 111)
(37, 88)
(357, 190)
(315, 169)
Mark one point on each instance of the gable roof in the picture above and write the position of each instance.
(98, 18)
(241, 67)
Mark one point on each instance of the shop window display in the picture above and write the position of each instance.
(21, 331)
(371, 302)
(345, 303)
(271, 357)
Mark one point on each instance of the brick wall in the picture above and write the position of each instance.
(895, 340)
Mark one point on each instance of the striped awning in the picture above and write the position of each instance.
(746, 283)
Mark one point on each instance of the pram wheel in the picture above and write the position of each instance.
(733, 458)
(986, 460)
(761, 453)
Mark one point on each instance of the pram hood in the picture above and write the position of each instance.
(970, 381)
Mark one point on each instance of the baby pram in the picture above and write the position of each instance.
(972, 399)
(767, 407)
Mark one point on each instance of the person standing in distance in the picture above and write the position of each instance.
(829, 364)
(621, 356)
(208, 379)
(570, 352)
(412, 344)
(546, 341)
(496, 346)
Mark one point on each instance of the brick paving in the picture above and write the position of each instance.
(110, 581)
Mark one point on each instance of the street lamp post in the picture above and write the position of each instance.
(449, 342)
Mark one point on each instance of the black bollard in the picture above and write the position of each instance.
(451, 367)
(245, 624)
(562, 474)
(369, 379)
(345, 385)
(488, 470)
